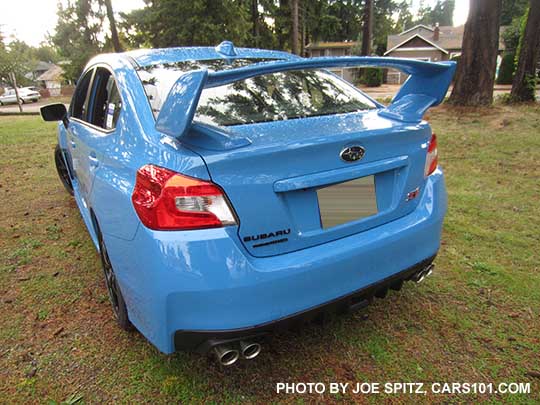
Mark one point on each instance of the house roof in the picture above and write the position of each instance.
(450, 38)
(428, 42)
(42, 66)
(416, 27)
(53, 74)
(326, 45)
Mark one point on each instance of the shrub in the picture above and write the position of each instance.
(372, 77)
(506, 70)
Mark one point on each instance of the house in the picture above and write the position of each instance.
(422, 42)
(52, 80)
(40, 68)
(334, 49)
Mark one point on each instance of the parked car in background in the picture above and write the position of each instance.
(26, 94)
(231, 192)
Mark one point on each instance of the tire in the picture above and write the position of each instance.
(62, 170)
(115, 295)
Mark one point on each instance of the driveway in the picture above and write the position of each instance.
(33, 107)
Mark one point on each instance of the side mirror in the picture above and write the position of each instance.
(54, 112)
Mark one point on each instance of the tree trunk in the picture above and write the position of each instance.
(282, 22)
(294, 18)
(367, 28)
(255, 22)
(475, 74)
(114, 32)
(524, 84)
(303, 29)
(17, 97)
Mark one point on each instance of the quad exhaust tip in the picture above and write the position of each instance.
(422, 274)
(249, 350)
(226, 355)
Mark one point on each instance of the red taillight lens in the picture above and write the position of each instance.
(165, 200)
(432, 156)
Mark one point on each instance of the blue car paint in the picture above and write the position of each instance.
(208, 279)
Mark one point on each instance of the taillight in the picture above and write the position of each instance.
(166, 200)
(432, 157)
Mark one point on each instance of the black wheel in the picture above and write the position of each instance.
(115, 295)
(62, 170)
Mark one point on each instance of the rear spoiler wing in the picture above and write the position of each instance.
(425, 87)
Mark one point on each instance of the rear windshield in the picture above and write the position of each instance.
(271, 97)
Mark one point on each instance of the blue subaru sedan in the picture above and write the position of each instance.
(231, 192)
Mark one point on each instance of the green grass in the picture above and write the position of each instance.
(477, 319)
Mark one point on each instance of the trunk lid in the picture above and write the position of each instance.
(272, 181)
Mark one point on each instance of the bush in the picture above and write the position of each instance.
(371, 77)
(506, 70)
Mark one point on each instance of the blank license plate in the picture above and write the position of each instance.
(346, 202)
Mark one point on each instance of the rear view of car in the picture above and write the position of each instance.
(247, 190)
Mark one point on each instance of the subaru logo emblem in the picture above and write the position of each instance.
(352, 153)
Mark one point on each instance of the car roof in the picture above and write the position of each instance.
(225, 50)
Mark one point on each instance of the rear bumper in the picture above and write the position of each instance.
(204, 340)
(183, 288)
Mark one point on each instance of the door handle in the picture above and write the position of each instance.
(92, 158)
(73, 144)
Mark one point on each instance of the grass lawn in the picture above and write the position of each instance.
(477, 319)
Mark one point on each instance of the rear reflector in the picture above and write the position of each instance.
(166, 200)
(432, 156)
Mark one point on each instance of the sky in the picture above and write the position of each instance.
(31, 20)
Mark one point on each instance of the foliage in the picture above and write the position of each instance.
(512, 9)
(173, 23)
(168, 23)
(506, 69)
(522, 27)
(16, 58)
(371, 77)
(442, 13)
(511, 34)
(20, 58)
(77, 34)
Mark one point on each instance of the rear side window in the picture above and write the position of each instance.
(105, 103)
(78, 106)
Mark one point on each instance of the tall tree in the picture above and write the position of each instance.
(524, 84)
(164, 23)
(77, 35)
(367, 27)
(112, 23)
(294, 27)
(475, 74)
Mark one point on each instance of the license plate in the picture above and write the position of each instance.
(346, 202)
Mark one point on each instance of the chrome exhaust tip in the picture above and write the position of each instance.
(226, 355)
(422, 274)
(249, 350)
